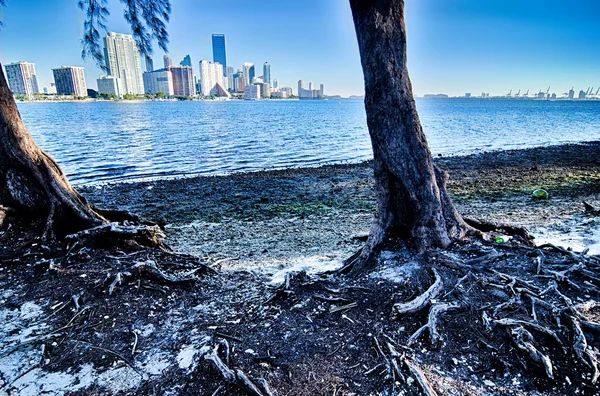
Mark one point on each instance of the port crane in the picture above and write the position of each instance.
(518, 93)
(509, 94)
(526, 94)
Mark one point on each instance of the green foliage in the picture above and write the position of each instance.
(161, 95)
(183, 97)
(109, 96)
(130, 97)
(148, 20)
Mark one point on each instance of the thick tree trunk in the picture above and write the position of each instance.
(31, 182)
(412, 203)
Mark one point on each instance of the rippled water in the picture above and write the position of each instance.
(110, 141)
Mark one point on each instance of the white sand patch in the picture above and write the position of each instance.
(577, 236)
(397, 273)
(311, 265)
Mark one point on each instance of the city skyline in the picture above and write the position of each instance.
(494, 46)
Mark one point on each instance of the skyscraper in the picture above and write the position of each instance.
(229, 73)
(187, 61)
(167, 61)
(159, 81)
(211, 78)
(183, 80)
(219, 52)
(22, 78)
(149, 64)
(123, 61)
(70, 80)
(267, 73)
(248, 69)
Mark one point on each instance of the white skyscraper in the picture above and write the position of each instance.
(248, 69)
(22, 78)
(211, 78)
(123, 61)
(159, 81)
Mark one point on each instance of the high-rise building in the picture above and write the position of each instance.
(109, 85)
(123, 61)
(187, 61)
(238, 82)
(310, 93)
(571, 93)
(265, 90)
(70, 80)
(267, 73)
(22, 78)
(167, 61)
(229, 73)
(288, 91)
(219, 52)
(183, 80)
(149, 63)
(211, 78)
(275, 84)
(159, 81)
(252, 92)
(248, 69)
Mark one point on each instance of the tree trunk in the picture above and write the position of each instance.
(413, 206)
(31, 182)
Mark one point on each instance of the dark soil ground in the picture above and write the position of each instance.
(320, 335)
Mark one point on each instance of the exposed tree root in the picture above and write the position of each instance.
(144, 235)
(524, 341)
(435, 313)
(238, 376)
(423, 300)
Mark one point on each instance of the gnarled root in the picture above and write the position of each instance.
(524, 341)
(237, 375)
(435, 313)
(151, 236)
(423, 300)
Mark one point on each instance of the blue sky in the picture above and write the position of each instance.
(455, 46)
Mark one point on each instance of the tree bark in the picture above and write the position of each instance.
(413, 206)
(31, 182)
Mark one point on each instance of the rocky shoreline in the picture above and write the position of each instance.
(316, 217)
(93, 317)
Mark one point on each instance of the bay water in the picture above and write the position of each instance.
(98, 142)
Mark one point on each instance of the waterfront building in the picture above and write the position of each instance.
(219, 52)
(267, 73)
(265, 90)
(582, 94)
(310, 93)
(572, 93)
(252, 92)
(123, 61)
(149, 63)
(167, 61)
(275, 84)
(109, 85)
(229, 73)
(22, 78)
(288, 91)
(238, 81)
(279, 94)
(187, 61)
(51, 90)
(183, 80)
(248, 69)
(212, 81)
(70, 80)
(159, 81)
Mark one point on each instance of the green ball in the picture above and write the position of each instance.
(499, 240)
(540, 194)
